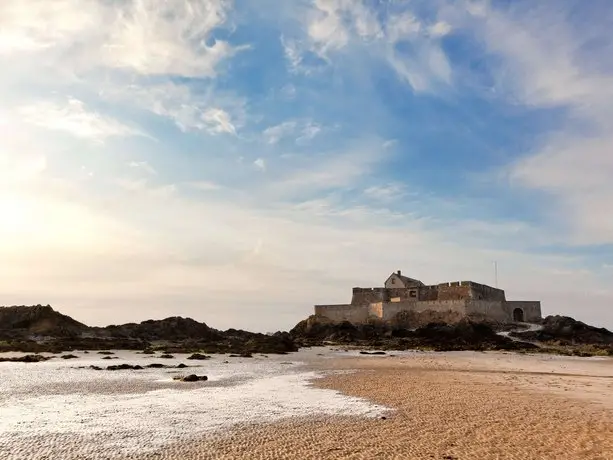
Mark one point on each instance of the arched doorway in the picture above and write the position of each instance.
(518, 315)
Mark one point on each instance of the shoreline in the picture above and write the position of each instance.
(441, 408)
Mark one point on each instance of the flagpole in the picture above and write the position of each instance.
(496, 274)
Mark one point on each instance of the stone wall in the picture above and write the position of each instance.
(365, 296)
(428, 293)
(484, 292)
(375, 310)
(531, 310)
(481, 310)
(415, 314)
(409, 313)
(454, 291)
(340, 313)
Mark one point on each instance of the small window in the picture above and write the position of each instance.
(393, 280)
(412, 294)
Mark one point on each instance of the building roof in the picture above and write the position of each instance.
(405, 279)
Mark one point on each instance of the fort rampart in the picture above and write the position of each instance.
(416, 304)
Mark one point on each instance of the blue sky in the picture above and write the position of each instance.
(238, 162)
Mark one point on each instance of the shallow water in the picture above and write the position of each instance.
(54, 409)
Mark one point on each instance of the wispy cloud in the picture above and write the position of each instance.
(398, 38)
(174, 37)
(548, 62)
(299, 130)
(73, 118)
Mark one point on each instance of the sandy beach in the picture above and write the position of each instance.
(443, 406)
(314, 404)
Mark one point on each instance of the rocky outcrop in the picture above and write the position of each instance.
(174, 328)
(21, 321)
(463, 335)
(568, 331)
(41, 329)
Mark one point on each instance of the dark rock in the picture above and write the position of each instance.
(464, 335)
(181, 366)
(69, 357)
(192, 378)
(173, 328)
(166, 356)
(110, 357)
(156, 366)
(121, 367)
(182, 335)
(568, 331)
(41, 320)
(25, 359)
(199, 356)
(372, 353)
(96, 368)
(105, 352)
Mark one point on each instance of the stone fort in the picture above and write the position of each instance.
(408, 302)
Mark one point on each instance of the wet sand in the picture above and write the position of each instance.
(444, 406)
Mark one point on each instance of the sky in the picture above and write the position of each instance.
(239, 162)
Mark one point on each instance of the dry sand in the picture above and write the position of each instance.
(445, 406)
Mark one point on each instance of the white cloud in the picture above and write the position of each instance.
(206, 186)
(260, 164)
(207, 110)
(73, 118)
(440, 29)
(327, 170)
(143, 166)
(301, 130)
(218, 121)
(385, 193)
(335, 25)
(274, 134)
(172, 37)
(548, 62)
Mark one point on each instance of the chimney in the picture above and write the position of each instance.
(399, 273)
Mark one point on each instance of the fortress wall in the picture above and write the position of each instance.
(480, 310)
(366, 296)
(531, 309)
(428, 293)
(403, 293)
(375, 310)
(454, 291)
(340, 313)
(483, 292)
(415, 314)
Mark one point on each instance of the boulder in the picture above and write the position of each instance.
(121, 367)
(192, 378)
(198, 356)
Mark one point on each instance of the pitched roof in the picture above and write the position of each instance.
(406, 280)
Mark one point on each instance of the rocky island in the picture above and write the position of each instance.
(35, 329)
